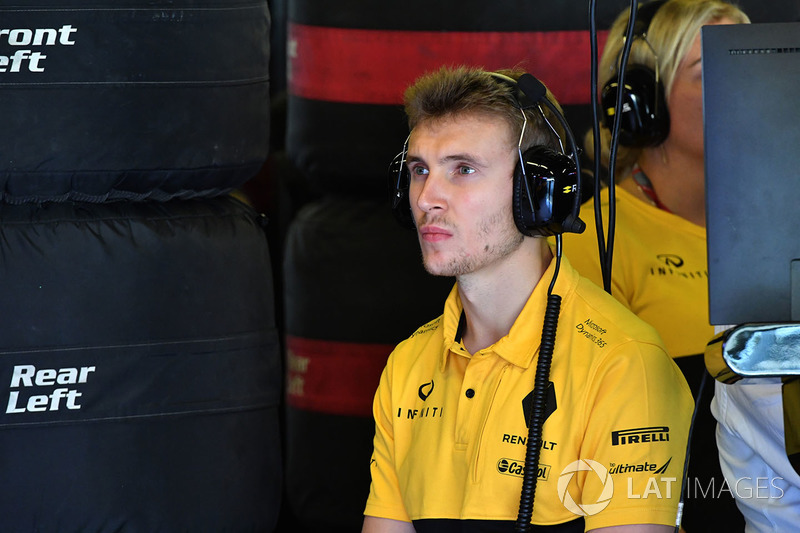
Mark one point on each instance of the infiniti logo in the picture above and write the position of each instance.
(671, 260)
(425, 390)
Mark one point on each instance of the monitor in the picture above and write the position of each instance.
(751, 106)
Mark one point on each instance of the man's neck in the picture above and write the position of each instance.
(494, 297)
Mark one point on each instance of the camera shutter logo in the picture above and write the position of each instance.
(585, 509)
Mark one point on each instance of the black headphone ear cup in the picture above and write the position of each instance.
(545, 189)
(399, 183)
(644, 118)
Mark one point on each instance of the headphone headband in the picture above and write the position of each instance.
(527, 94)
(644, 16)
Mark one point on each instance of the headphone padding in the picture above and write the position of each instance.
(551, 178)
(644, 119)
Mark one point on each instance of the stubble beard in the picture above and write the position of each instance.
(507, 242)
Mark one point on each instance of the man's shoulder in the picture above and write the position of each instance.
(418, 341)
(600, 307)
(620, 339)
(419, 354)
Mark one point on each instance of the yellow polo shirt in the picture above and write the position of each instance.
(451, 426)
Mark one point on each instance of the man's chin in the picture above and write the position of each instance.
(432, 268)
(434, 272)
(438, 269)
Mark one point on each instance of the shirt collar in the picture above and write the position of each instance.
(521, 344)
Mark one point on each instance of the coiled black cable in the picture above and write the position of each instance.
(606, 246)
(539, 403)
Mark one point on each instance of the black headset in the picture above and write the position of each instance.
(547, 189)
(644, 118)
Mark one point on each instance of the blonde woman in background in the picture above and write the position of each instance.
(659, 253)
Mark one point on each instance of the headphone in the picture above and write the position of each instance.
(546, 189)
(644, 119)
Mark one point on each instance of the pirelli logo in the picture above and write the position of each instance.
(640, 435)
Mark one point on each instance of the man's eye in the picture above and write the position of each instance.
(466, 170)
(419, 171)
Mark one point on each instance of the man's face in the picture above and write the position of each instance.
(460, 192)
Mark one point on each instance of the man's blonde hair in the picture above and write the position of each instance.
(452, 91)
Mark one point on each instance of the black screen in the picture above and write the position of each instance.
(751, 97)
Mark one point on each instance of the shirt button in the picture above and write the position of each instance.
(470, 393)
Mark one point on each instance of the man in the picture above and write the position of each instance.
(455, 399)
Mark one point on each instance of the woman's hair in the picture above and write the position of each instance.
(671, 33)
(453, 91)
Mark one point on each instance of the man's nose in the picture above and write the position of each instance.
(432, 192)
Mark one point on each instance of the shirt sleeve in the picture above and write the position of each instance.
(385, 498)
(638, 415)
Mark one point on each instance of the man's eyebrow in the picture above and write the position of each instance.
(465, 158)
